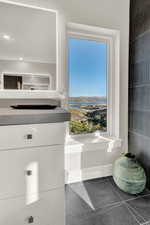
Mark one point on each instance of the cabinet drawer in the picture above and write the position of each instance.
(28, 171)
(22, 136)
(45, 209)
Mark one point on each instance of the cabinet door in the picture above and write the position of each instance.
(25, 136)
(28, 171)
(45, 209)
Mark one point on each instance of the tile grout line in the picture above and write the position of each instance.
(122, 201)
(111, 205)
(134, 216)
(137, 197)
(107, 210)
(125, 202)
(141, 196)
(136, 213)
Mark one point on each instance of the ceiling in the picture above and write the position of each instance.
(31, 33)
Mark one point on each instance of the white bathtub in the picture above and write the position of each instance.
(88, 157)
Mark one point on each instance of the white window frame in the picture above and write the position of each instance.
(112, 38)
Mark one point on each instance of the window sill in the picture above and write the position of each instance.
(91, 141)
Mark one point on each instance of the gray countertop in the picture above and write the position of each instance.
(9, 116)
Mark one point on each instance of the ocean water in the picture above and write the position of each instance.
(87, 103)
(78, 104)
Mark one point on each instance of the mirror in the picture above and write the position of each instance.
(28, 38)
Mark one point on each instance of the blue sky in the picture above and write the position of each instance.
(87, 68)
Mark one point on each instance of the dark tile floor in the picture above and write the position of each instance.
(100, 202)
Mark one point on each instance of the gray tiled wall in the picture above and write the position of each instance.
(139, 82)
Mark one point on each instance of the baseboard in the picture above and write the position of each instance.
(88, 173)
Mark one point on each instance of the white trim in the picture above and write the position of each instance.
(112, 37)
(40, 94)
(28, 6)
(88, 173)
(28, 61)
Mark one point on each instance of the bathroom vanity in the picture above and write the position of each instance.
(31, 141)
(32, 166)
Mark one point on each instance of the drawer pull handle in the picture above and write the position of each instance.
(29, 172)
(29, 136)
(31, 219)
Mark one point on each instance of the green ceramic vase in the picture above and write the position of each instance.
(128, 175)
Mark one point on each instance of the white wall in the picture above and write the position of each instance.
(112, 14)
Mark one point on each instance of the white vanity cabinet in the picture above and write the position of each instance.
(32, 174)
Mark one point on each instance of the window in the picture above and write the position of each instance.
(94, 80)
(87, 85)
